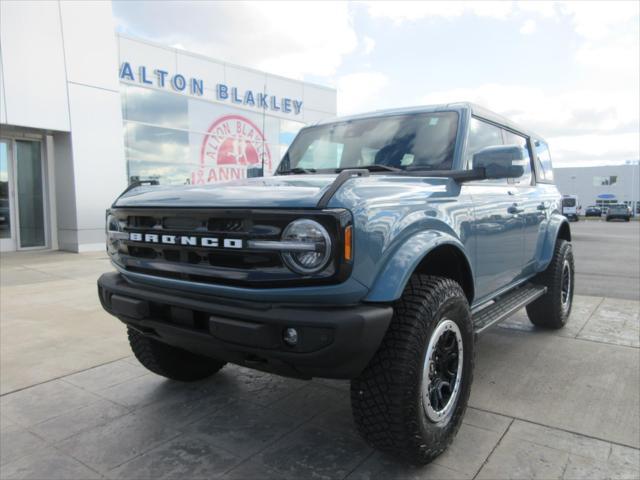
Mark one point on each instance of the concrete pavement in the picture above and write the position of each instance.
(607, 258)
(75, 404)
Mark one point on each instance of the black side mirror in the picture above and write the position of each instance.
(498, 161)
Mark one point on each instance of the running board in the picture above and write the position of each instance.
(505, 306)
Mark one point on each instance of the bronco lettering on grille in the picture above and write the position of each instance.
(185, 240)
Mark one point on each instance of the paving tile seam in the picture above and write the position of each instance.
(266, 447)
(593, 312)
(486, 460)
(61, 377)
(600, 342)
(611, 275)
(43, 272)
(353, 436)
(62, 453)
(552, 427)
(180, 432)
(140, 454)
(362, 462)
(522, 331)
(83, 430)
(566, 464)
(304, 385)
(64, 379)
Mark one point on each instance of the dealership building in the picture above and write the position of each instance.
(84, 112)
(602, 185)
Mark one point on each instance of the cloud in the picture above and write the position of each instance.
(369, 44)
(528, 27)
(403, 11)
(357, 90)
(580, 125)
(288, 38)
(597, 20)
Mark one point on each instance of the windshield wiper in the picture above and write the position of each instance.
(375, 167)
(298, 170)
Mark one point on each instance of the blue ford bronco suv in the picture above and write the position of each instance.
(381, 247)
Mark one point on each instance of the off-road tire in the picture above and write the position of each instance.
(171, 362)
(548, 310)
(386, 398)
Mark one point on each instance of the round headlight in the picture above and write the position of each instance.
(309, 232)
(112, 224)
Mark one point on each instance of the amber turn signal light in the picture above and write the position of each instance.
(348, 243)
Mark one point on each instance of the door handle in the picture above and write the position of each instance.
(514, 210)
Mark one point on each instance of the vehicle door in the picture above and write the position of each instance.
(498, 226)
(532, 202)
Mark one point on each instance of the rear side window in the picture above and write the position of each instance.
(511, 138)
(544, 169)
(483, 134)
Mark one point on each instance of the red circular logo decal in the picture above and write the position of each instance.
(232, 145)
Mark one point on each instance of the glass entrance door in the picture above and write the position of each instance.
(7, 237)
(22, 201)
(30, 194)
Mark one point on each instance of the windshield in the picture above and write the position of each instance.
(406, 142)
(618, 208)
(568, 202)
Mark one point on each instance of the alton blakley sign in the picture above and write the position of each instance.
(195, 86)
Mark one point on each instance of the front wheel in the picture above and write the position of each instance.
(552, 309)
(171, 362)
(409, 401)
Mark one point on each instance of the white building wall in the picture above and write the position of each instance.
(3, 102)
(59, 66)
(35, 87)
(99, 168)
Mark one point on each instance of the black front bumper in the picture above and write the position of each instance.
(333, 341)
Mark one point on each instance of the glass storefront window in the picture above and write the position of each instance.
(177, 140)
(154, 107)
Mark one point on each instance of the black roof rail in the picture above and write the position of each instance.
(338, 182)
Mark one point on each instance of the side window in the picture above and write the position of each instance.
(511, 138)
(481, 135)
(544, 168)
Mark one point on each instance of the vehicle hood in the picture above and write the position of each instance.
(295, 191)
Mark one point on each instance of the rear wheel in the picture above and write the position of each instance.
(171, 362)
(409, 401)
(552, 310)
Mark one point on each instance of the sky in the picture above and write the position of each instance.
(568, 70)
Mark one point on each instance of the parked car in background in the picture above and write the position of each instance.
(618, 212)
(593, 211)
(570, 207)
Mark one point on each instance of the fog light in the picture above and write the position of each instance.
(290, 337)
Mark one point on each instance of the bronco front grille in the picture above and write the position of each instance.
(240, 265)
